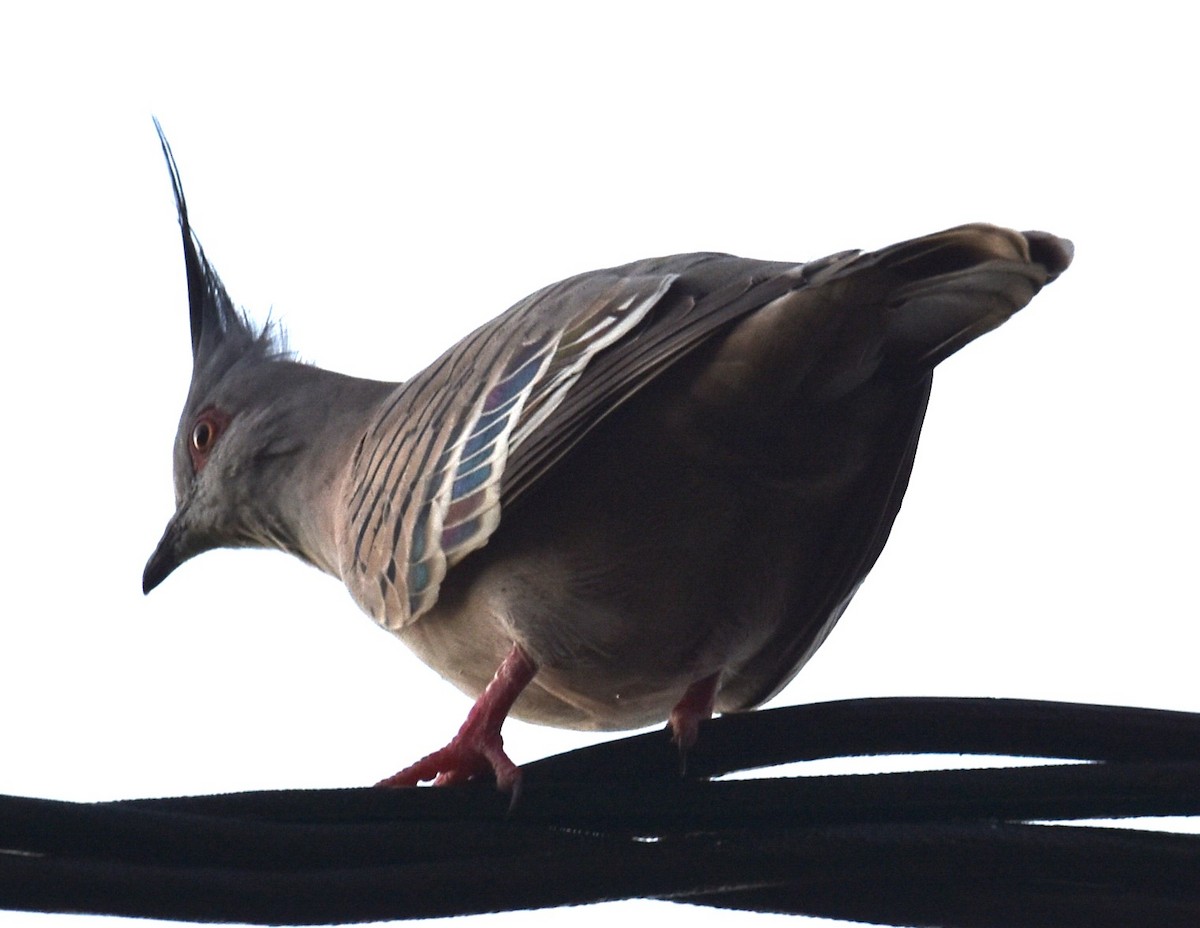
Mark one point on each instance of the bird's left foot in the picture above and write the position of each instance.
(478, 749)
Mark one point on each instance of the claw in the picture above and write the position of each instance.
(470, 756)
(478, 749)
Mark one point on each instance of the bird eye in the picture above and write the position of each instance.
(205, 431)
(203, 435)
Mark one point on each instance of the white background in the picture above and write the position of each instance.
(384, 181)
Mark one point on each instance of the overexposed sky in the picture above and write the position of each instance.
(384, 179)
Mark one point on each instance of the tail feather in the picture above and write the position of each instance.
(963, 282)
(906, 307)
(1051, 252)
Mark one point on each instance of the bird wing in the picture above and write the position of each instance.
(472, 432)
(426, 480)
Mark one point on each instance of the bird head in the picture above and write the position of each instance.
(235, 435)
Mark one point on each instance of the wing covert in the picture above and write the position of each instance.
(425, 485)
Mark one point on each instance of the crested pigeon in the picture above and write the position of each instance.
(641, 494)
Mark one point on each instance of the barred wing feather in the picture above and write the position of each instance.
(425, 486)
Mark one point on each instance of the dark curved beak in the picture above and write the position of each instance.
(166, 557)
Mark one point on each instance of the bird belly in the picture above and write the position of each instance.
(623, 609)
(601, 666)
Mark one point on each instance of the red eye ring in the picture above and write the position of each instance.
(206, 429)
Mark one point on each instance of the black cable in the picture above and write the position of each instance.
(617, 821)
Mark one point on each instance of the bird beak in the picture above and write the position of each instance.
(166, 557)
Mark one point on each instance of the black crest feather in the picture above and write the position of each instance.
(215, 321)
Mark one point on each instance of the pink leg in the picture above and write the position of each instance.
(695, 707)
(478, 749)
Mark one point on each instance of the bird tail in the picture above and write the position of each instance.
(962, 283)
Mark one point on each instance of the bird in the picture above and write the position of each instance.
(641, 494)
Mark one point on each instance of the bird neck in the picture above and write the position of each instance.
(329, 420)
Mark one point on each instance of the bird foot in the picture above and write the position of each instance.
(478, 749)
(695, 707)
(469, 756)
